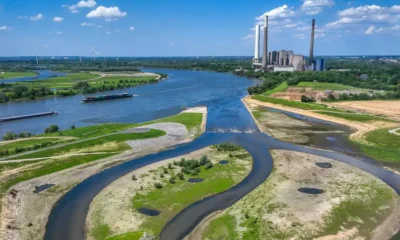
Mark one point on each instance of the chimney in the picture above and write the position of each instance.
(265, 52)
(311, 57)
(257, 47)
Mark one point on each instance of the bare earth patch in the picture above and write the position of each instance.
(285, 213)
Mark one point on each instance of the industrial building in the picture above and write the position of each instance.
(284, 60)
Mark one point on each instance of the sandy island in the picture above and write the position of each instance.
(25, 216)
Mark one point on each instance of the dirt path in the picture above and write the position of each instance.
(361, 127)
(395, 131)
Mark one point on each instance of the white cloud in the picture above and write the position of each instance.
(86, 24)
(279, 12)
(3, 28)
(370, 30)
(250, 36)
(58, 19)
(81, 4)
(314, 7)
(367, 15)
(37, 17)
(319, 35)
(59, 33)
(131, 28)
(111, 13)
(299, 36)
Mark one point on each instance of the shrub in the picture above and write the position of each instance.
(158, 185)
(170, 166)
(134, 177)
(9, 136)
(161, 175)
(165, 171)
(182, 162)
(180, 176)
(204, 160)
(209, 165)
(304, 98)
(51, 129)
(172, 180)
(73, 127)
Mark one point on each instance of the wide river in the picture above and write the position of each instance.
(168, 97)
(228, 120)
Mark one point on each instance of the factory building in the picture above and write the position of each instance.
(319, 65)
(298, 62)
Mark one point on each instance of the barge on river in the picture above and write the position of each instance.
(106, 97)
(28, 116)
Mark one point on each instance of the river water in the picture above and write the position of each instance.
(220, 92)
(228, 120)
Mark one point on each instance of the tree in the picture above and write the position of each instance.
(73, 127)
(134, 177)
(9, 136)
(158, 185)
(51, 129)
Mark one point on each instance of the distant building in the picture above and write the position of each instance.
(283, 69)
(319, 65)
(297, 62)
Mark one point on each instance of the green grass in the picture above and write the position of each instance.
(288, 103)
(8, 75)
(384, 146)
(101, 232)
(127, 236)
(353, 116)
(280, 88)
(27, 143)
(368, 210)
(323, 86)
(173, 198)
(221, 228)
(119, 138)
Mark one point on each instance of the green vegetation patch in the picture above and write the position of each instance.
(354, 116)
(27, 143)
(280, 88)
(127, 236)
(8, 75)
(172, 198)
(221, 228)
(76, 147)
(382, 145)
(288, 103)
(324, 85)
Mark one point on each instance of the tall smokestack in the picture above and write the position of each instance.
(257, 47)
(311, 57)
(265, 52)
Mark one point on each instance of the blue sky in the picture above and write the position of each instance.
(196, 28)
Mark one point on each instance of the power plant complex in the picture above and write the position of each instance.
(288, 61)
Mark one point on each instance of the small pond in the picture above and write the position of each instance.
(223, 162)
(323, 165)
(195, 180)
(43, 187)
(311, 190)
(149, 212)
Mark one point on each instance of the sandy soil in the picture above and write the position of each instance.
(361, 127)
(25, 216)
(283, 209)
(389, 109)
(116, 74)
(117, 198)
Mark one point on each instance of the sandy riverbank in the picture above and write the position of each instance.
(281, 210)
(361, 127)
(25, 216)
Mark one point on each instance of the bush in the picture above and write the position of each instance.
(9, 136)
(165, 171)
(182, 162)
(24, 135)
(209, 165)
(161, 175)
(204, 160)
(170, 166)
(180, 176)
(51, 129)
(81, 85)
(158, 185)
(73, 127)
(304, 98)
(134, 177)
(172, 180)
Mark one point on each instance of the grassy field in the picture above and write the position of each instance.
(280, 88)
(221, 228)
(127, 236)
(383, 146)
(28, 143)
(323, 86)
(173, 198)
(288, 103)
(8, 75)
(354, 116)
(112, 143)
(61, 82)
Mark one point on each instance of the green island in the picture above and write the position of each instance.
(166, 188)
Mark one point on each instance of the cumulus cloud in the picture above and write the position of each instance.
(314, 7)
(81, 4)
(3, 28)
(368, 14)
(131, 28)
(111, 13)
(250, 36)
(37, 17)
(370, 30)
(58, 19)
(279, 12)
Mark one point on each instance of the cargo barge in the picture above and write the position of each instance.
(28, 116)
(106, 97)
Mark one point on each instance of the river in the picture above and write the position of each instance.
(228, 120)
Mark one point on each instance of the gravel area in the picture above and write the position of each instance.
(176, 133)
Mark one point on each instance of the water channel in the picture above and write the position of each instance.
(228, 121)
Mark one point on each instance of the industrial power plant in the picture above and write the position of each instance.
(283, 60)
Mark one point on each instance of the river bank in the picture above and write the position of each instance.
(352, 203)
(24, 214)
